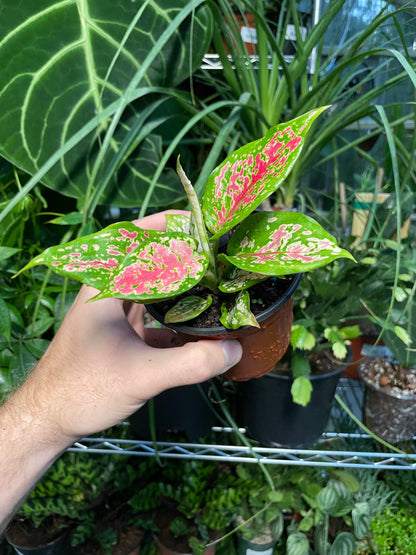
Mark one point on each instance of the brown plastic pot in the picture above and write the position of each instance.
(262, 347)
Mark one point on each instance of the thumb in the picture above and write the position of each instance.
(194, 362)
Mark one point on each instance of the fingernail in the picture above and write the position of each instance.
(233, 352)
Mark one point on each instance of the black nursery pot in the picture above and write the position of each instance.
(272, 418)
(58, 546)
(183, 409)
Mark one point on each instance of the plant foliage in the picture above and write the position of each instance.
(126, 262)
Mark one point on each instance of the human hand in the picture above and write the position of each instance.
(103, 364)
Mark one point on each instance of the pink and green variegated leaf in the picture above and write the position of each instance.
(239, 314)
(187, 308)
(250, 174)
(236, 279)
(92, 259)
(162, 266)
(280, 243)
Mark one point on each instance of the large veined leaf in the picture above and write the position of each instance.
(62, 62)
(281, 243)
(251, 173)
(127, 262)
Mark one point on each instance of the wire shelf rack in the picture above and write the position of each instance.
(342, 444)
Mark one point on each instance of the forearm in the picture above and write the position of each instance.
(30, 443)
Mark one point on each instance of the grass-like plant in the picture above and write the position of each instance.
(146, 266)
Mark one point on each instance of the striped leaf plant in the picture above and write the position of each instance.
(147, 266)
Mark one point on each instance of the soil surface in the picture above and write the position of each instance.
(23, 533)
(321, 362)
(163, 518)
(128, 541)
(262, 296)
(389, 376)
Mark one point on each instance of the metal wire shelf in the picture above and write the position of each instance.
(346, 448)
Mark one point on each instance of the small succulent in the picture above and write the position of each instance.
(127, 262)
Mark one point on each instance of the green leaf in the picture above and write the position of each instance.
(40, 326)
(37, 347)
(187, 309)
(250, 174)
(348, 479)
(361, 519)
(399, 294)
(5, 383)
(349, 332)
(281, 243)
(339, 349)
(402, 335)
(5, 319)
(301, 338)
(128, 262)
(344, 544)
(300, 365)
(239, 314)
(61, 63)
(7, 252)
(235, 279)
(301, 390)
(21, 363)
(72, 218)
(297, 544)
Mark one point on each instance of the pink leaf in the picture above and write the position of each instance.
(253, 172)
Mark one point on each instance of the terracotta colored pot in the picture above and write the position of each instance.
(246, 27)
(262, 347)
(360, 346)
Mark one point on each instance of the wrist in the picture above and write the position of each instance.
(32, 444)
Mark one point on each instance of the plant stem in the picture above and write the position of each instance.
(211, 276)
(243, 439)
(365, 429)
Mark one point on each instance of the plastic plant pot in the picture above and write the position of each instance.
(389, 415)
(246, 547)
(271, 417)
(262, 347)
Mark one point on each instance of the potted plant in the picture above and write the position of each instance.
(59, 504)
(389, 408)
(276, 87)
(393, 532)
(192, 502)
(290, 406)
(333, 521)
(113, 526)
(262, 256)
(259, 520)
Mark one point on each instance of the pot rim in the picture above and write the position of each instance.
(221, 330)
(368, 383)
(315, 377)
(312, 377)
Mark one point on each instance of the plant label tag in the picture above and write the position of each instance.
(249, 34)
(291, 32)
(376, 351)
